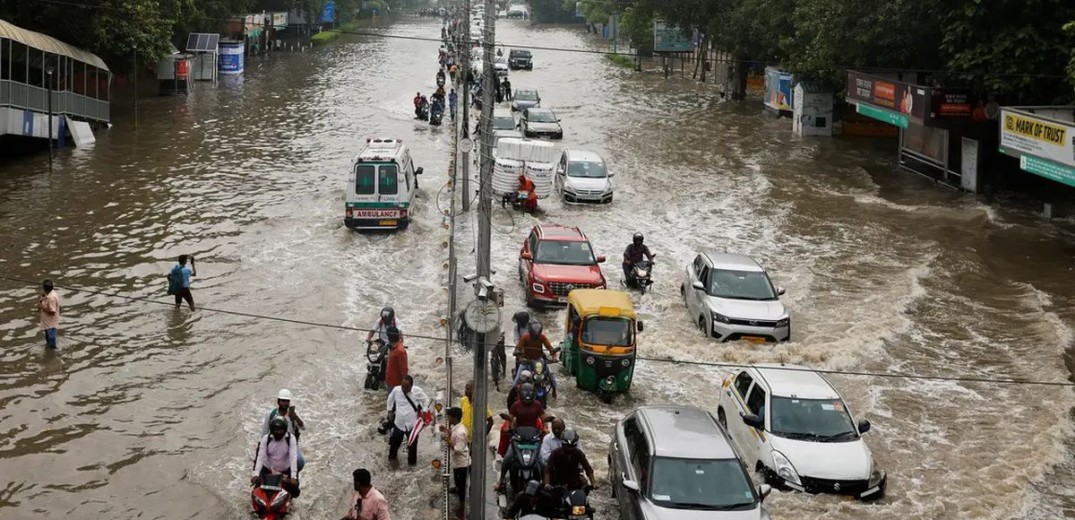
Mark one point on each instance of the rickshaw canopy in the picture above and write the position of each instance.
(602, 302)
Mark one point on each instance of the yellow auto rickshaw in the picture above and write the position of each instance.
(599, 345)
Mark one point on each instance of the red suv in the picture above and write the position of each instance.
(556, 259)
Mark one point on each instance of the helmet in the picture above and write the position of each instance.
(638, 238)
(526, 393)
(284, 395)
(393, 334)
(570, 438)
(521, 318)
(535, 328)
(278, 423)
(388, 314)
(526, 376)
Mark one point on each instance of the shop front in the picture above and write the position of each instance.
(933, 123)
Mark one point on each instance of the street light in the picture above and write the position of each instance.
(48, 71)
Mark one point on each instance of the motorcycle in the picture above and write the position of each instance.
(270, 501)
(640, 275)
(376, 364)
(524, 448)
(421, 112)
(576, 505)
(436, 114)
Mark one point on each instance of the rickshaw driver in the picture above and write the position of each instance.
(531, 348)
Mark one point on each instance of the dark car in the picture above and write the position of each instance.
(541, 122)
(520, 59)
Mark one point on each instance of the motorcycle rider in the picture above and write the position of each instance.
(294, 422)
(531, 501)
(522, 322)
(531, 347)
(551, 443)
(278, 453)
(380, 327)
(417, 104)
(527, 411)
(633, 254)
(525, 376)
(562, 468)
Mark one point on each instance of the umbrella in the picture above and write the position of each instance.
(420, 422)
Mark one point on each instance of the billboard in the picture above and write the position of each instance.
(891, 101)
(1045, 147)
(778, 93)
(328, 13)
(670, 39)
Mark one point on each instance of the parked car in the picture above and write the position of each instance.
(541, 122)
(520, 58)
(730, 297)
(676, 462)
(554, 260)
(503, 122)
(796, 430)
(500, 65)
(582, 177)
(525, 98)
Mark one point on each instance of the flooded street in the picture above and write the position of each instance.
(153, 413)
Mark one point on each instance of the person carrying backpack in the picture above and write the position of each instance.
(179, 281)
(294, 423)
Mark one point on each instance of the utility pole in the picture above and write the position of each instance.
(465, 74)
(48, 71)
(484, 289)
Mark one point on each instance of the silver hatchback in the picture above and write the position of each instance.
(676, 462)
(730, 297)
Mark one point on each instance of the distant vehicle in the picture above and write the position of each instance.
(541, 122)
(502, 122)
(731, 298)
(554, 260)
(676, 462)
(796, 430)
(520, 58)
(517, 11)
(525, 98)
(501, 67)
(582, 177)
(380, 186)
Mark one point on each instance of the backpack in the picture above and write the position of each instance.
(175, 280)
(275, 412)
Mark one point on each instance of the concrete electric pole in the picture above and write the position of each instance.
(464, 73)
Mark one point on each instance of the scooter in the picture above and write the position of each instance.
(436, 114)
(640, 275)
(376, 364)
(517, 200)
(525, 445)
(269, 500)
(422, 111)
(576, 505)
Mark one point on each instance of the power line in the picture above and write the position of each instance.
(451, 320)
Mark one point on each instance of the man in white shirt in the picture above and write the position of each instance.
(278, 453)
(551, 442)
(405, 402)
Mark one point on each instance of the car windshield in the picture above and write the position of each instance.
(526, 95)
(565, 253)
(608, 331)
(740, 285)
(586, 169)
(520, 54)
(823, 420)
(503, 123)
(541, 117)
(705, 484)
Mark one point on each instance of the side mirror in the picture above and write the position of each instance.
(419, 170)
(753, 421)
(640, 326)
(864, 426)
(601, 258)
(525, 255)
(610, 175)
(698, 285)
(779, 291)
(630, 484)
(764, 490)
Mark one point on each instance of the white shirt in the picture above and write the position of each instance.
(461, 449)
(381, 330)
(550, 444)
(405, 413)
(278, 455)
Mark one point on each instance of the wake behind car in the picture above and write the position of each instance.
(555, 260)
(731, 298)
(520, 59)
(794, 428)
(677, 463)
(541, 122)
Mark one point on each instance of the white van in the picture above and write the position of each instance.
(381, 186)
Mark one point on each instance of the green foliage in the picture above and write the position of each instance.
(548, 11)
(621, 60)
(637, 24)
(1069, 28)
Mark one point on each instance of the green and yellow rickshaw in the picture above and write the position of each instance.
(599, 345)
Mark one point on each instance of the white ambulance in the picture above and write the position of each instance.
(381, 186)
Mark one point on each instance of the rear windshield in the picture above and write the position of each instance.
(364, 179)
(520, 54)
(389, 184)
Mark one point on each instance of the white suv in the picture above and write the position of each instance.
(792, 426)
(582, 177)
(731, 298)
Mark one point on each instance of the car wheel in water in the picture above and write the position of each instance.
(702, 327)
(722, 419)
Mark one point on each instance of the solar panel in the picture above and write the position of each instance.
(202, 42)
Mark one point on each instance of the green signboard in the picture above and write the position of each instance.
(1048, 169)
(670, 39)
(880, 114)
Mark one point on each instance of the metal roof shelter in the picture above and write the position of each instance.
(203, 42)
(49, 44)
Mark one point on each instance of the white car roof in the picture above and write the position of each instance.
(733, 262)
(801, 382)
(584, 156)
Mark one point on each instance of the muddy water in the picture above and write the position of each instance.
(149, 412)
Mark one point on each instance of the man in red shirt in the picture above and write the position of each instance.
(526, 187)
(527, 411)
(397, 360)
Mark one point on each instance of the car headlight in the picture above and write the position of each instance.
(538, 288)
(783, 323)
(784, 469)
(569, 188)
(720, 318)
(876, 476)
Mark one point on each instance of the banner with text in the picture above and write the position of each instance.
(1023, 133)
